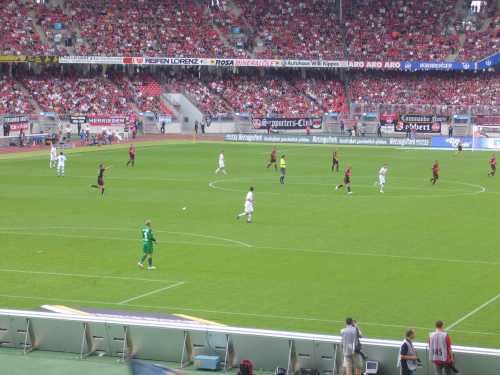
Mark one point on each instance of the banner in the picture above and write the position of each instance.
(16, 122)
(487, 120)
(388, 119)
(438, 65)
(277, 63)
(325, 139)
(287, 123)
(106, 120)
(451, 142)
(78, 119)
(421, 123)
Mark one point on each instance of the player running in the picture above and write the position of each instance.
(273, 160)
(282, 169)
(131, 155)
(248, 211)
(347, 180)
(381, 177)
(222, 164)
(147, 248)
(61, 163)
(100, 178)
(335, 161)
(493, 165)
(435, 172)
(53, 156)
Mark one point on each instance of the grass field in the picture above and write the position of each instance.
(312, 256)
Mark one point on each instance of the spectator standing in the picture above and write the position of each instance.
(379, 130)
(440, 352)
(203, 127)
(79, 127)
(350, 348)
(196, 127)
(68, 132)
(6, 129)
(408, 359)
(342, 127)
(162, 128)
(450, 130)
(414, 132)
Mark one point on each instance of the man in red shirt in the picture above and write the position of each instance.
(347, 180)
(273, 160)
(493, 165)
(435, 172)
(335, 161)
(440, 352)
(131, 156)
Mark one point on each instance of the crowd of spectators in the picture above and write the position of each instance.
(426, 88)
(402, 30)
(13, 100)
(73, 93)
(146, 28)
(307, 29)
(17, 32)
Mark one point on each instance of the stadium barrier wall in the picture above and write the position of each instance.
(327, 139)
(173, 341)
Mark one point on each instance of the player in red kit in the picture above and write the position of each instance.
(493, 165)
(435, 172)
(273, 160)
(131, 155)
(347, 180)
(335, 161)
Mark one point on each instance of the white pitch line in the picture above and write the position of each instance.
(85, 275)
(285, 249)
(476, 310)
(180, 283)
(234, 313)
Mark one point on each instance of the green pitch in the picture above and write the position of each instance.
(312, 256)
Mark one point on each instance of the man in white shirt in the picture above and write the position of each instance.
(222, 166)
(248, 211)
(53, 156)
(381, 177)
(61, 161)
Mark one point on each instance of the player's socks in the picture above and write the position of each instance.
(150, 262)
(349, 189)
(102, 191)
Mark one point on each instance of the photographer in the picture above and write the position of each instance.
(440, 352)
(408, 360)
(351, 347)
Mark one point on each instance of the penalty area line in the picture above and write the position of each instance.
(475, 311)
(155, 291)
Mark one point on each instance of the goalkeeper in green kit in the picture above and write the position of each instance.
(149, 241)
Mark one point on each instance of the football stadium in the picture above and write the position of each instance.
(287, 187)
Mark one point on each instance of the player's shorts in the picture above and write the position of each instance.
(460, 148)
(272, 160)
(381, 180)
(283, 171)
(335, 161)
(354, 361)
(248, 208)
(493, 167)
(221, 166)
(131, 156)
(435, 176)
(100, 181)
(147, 249)
(347, 180)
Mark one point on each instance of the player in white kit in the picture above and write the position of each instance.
(248, 212)
(61, 161)
(381, 177)
(53, 156)
(222, 165)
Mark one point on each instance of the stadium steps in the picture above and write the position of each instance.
(38, 28)
(25, 91)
